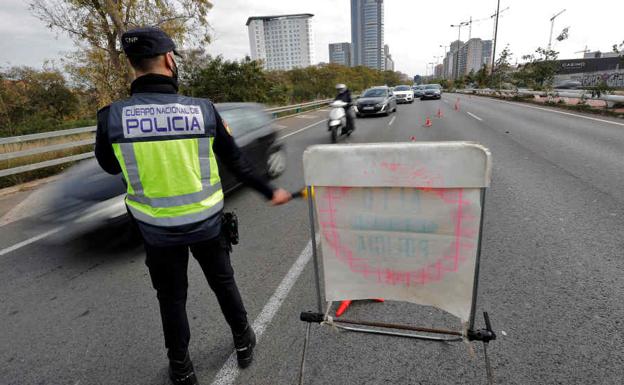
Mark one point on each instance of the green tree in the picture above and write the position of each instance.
(34, 98)
(539, 70)
(481, 77)
(96, 27)
(501, 72)
(470, 77)
(224, 80)
(391, 78)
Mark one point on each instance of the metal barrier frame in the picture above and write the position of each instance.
(322, 316)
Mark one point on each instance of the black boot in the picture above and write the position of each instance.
(182, 372)
(244, 344)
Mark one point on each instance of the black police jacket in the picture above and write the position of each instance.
(345, 97)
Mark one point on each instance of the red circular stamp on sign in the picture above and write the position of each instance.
(394, 217)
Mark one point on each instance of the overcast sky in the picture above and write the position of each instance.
(414, 29)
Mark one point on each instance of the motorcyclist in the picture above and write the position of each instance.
(345, 95)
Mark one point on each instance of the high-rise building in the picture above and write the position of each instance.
(340, 53)
(487, 53)
(367, 33)
(438, 70)
(470, 56)
(282, 42)
(388, 62)
(451, 59)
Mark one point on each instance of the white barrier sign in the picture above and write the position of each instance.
(400, 221)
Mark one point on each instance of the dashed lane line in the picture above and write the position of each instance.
(302, 129)
(391, 121)
(229, 371)
(474, 116)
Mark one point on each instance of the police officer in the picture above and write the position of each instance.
(165, 146)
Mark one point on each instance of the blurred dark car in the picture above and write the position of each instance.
(376, 101)
(432, 91)
(86, 197)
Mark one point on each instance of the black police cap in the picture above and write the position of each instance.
(146, 42)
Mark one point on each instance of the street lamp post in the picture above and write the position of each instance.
(443, 56)
(458, 26)
(552, 25)
(495, 37)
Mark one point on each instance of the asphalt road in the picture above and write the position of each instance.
(83, 312)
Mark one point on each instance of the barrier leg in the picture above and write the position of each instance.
(303, 355)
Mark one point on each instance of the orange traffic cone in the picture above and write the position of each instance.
(413, 138)
(344, 305)
(457, 105)
(428, 122)
(439, 114)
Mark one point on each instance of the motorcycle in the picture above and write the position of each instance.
(337, 120)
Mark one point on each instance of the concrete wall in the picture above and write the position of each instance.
(613, 78)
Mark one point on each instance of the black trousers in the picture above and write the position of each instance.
(168, 271)
(350, 119)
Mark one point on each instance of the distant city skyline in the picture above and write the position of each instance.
(525, 26)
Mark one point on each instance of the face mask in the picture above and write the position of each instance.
(175, 71)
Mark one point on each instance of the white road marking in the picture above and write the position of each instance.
(474, 116)
(391, 121)
(29, 241)
(280, 126)
(445, 101)
(302, 129)
(563, 113)
(229, 371)
(305, 117)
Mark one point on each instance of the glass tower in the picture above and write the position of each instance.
(367, 33)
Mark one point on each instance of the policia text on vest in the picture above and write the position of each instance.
(156, 119)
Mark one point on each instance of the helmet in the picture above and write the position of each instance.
(341, 87)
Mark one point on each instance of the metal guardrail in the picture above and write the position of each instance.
(297, 108)
(46, 135)
(580, 94)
